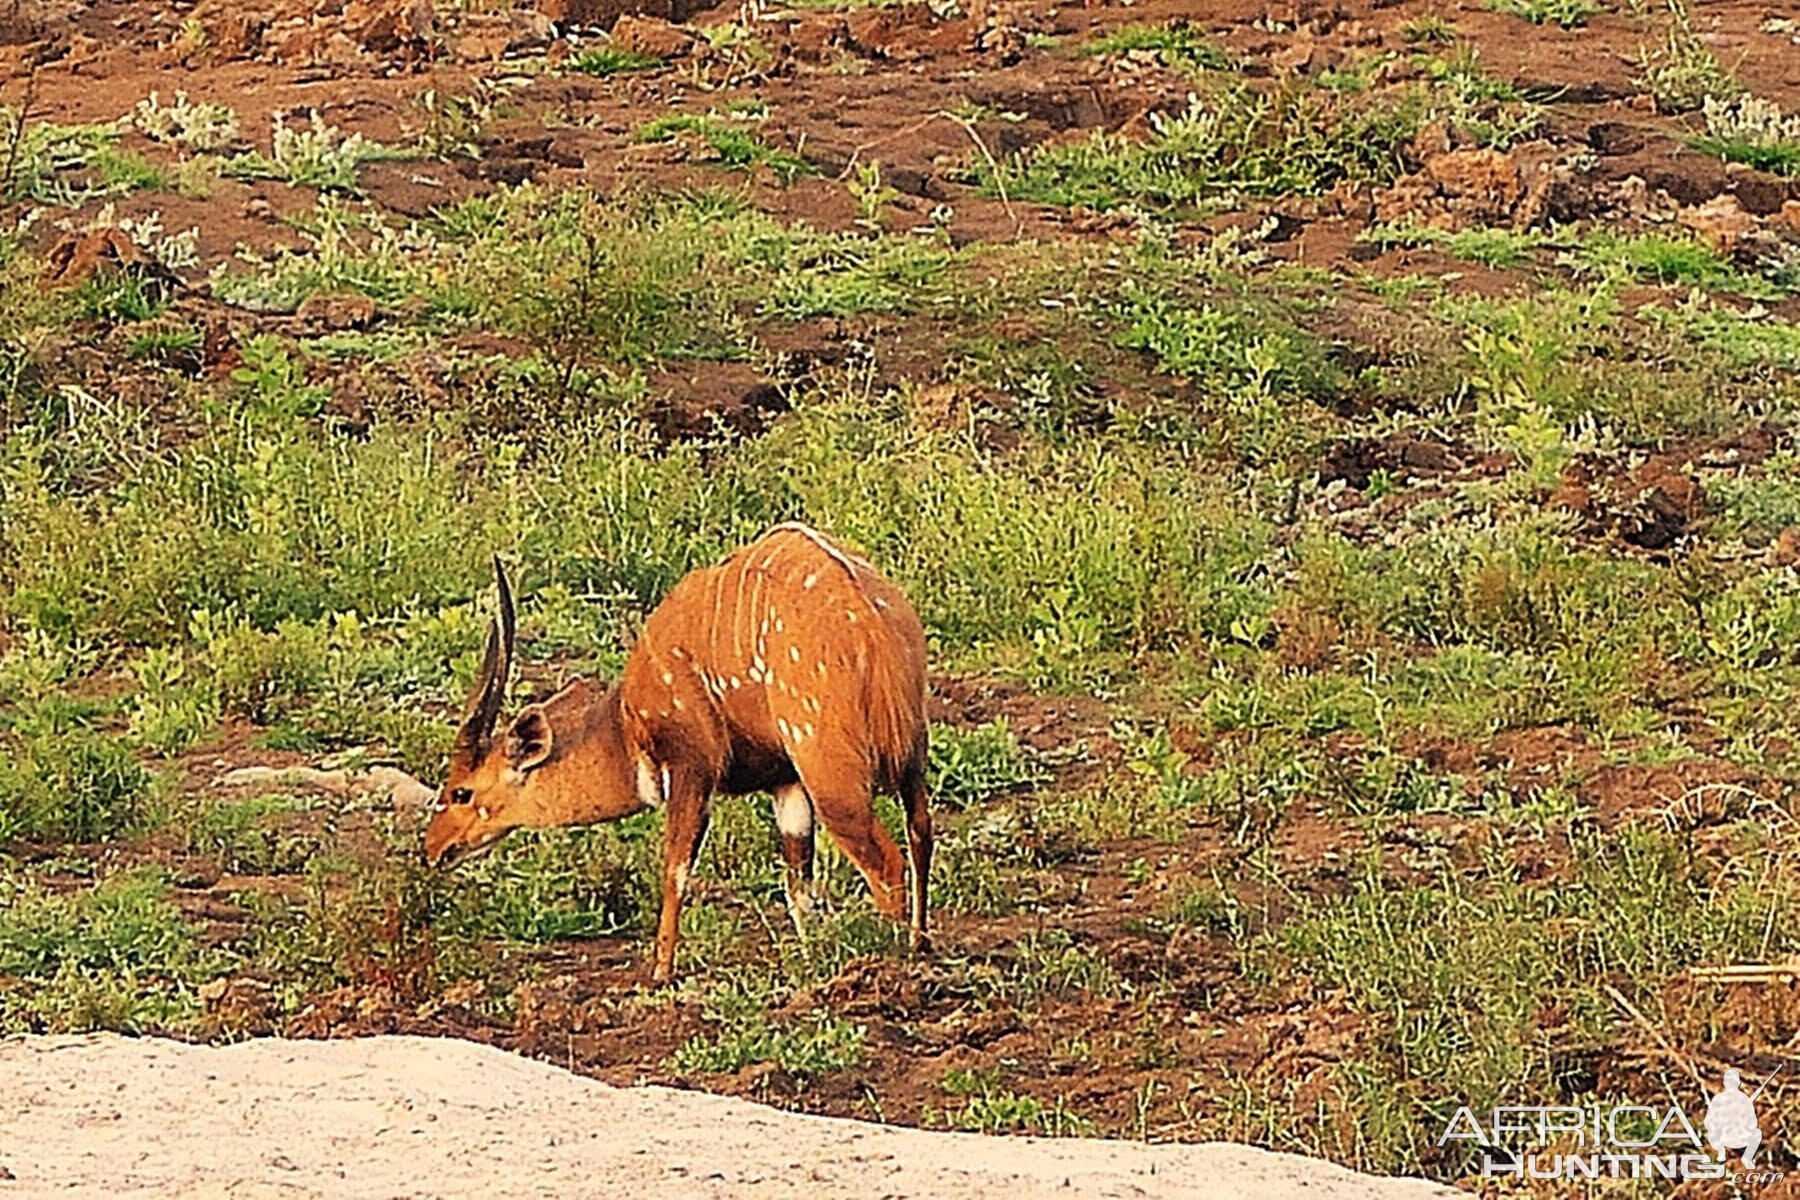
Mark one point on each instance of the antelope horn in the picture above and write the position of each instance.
(489, 692)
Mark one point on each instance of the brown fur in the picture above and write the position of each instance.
(792, 666)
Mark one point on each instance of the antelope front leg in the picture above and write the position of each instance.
(686, 827)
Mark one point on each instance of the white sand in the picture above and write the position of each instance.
(390, 1117)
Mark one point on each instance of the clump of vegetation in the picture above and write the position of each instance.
(1232, 143)
(979, 1104)
(319, 155)
(1566, 13)
(730, 143)
(1752, 131)
(1177, 45)
(203, 128)
(1683, 73)
(613, 60)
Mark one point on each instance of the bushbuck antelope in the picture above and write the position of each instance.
(791, 667)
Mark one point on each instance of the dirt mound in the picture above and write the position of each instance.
(399, 1115)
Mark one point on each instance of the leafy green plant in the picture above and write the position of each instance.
(203, 128)
(1753, 131)
(970, 766)
(731, 144)
(985, 1107)
(65, 781)
(1236, 141)
(1176, 45)
(319, 155)
(1566, 13)
(613, 60)
(1683, 73)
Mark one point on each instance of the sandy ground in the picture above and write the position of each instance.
(382, 1117)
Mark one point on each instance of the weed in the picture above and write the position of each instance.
(1238, 141)
(613, 60)
(731, 144)
(1429, 29)
(65, 781)
(114, 956)
(1753, 131)
(970, 767)
(319, 155)
(1683, 73)
(203, 128)
(816, 1045)
(1566, 13)
(1176, 45)
(985, 1107)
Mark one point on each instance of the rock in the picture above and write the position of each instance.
(1615, 138)
(652, 36)
(407, 793)
(1721, 223)
(1481, 173)
(1790, 215)
(531, 30)
(391, 783)
(600, 14)
(1759, 192)
(77, 258)
(389, 26)
(337, 311)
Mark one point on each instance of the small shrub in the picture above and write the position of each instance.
(1683, 73)
(613, 60)
(1566, 13)
(203, 128)
(1752, 131)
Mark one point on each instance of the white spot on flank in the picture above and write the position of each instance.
(764, 631)
(810, 704)
(807, 729)
(677, 704)
(668, 679)
(782, 725)
(794, 653)
(811, 581)
(736, 682)
(850, 614)
(678, 652)
(665, 784)
(880, 603)
(820, 668)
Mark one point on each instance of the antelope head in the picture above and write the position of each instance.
(561, 762)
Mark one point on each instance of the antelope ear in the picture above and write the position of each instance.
(529, 741)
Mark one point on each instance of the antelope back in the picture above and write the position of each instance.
(789, 640)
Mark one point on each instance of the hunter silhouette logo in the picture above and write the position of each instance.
(1731, 1119)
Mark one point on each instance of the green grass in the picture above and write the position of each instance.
(117, 955)
(731, 144)
(613, 60)
(1502, 982)
(1175, 45)
(1567, 13)
(1101, 468)
(1235, 142)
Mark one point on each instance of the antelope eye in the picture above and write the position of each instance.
(461, 796)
